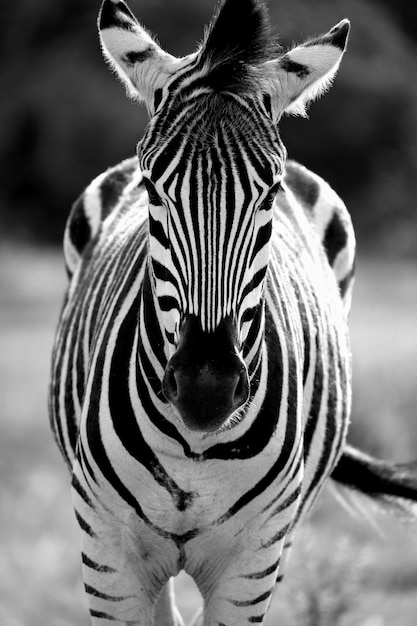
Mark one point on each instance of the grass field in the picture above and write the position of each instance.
(344, 572)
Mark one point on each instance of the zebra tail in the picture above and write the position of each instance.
(392, 485)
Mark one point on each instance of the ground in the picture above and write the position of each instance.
(345, 570)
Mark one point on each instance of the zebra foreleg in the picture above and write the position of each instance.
(122, 584)
(254, 608)
(239, 593)
(115, 591)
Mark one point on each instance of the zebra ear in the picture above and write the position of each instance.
(140, 63)
(307, 71)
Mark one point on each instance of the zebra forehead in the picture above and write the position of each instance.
(227, 117)
(205, 121)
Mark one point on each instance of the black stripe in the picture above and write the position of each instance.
(267, 479)
(344, 386)
(79, 227)
(81, 491)
(84, 526)
(162, 272)
(335, 238)
(127, 429)
(287, 502)
(71, 418)
(152, 327)
(249, 314)
(314, 411)
(157, 98)
(84, 463)
(150, 409)
(97, 448)
(197, 261)
(157, 418)
(330, 430)
(102, 615)
(332, 419)
(156, 230)
(56, 419)
(259, 434)
(288, 65)
(257, 600)
(112, 187)
(138, 56)
(103, 569)
(256, 329)
(149, 373)
(277, 537)
(91, 591)
(264, 573)
(254, 283)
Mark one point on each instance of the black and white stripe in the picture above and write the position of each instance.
(200, 389)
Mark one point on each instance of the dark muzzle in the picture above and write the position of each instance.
(206, 380)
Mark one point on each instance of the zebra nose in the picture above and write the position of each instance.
(206, 398)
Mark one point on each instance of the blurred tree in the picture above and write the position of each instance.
(63, 119)
(404, 12)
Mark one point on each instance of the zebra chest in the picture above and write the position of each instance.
(181, 497)
(188, 496)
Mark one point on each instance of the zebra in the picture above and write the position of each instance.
(200, 389)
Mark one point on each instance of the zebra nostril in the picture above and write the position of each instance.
(169, 384)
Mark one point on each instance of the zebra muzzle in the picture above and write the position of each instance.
(206, 380)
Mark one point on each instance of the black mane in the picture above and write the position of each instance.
(237, 40)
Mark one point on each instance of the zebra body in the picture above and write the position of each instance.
(200, 389)
(192, 514)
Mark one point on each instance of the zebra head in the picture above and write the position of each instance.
(212, 163)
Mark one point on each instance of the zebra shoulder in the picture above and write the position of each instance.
(331, 219)
(92, 207)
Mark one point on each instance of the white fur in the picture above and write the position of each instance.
(140, 79)
(293, 92)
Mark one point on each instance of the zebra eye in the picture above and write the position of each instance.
(154, 199)
(269, 200)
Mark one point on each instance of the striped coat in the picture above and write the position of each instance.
(160, 482)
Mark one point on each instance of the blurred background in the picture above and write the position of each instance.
(63, 119)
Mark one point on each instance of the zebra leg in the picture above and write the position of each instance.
(239, 599)
(240, 592)
(114, 587)
(121, 582)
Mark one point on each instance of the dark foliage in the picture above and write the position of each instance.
(64, 118)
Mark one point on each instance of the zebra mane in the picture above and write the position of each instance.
(238, 39)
